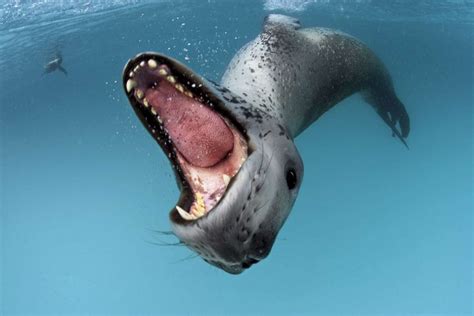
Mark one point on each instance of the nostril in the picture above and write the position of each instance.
(249, 262)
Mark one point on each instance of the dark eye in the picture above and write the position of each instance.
(291, 179)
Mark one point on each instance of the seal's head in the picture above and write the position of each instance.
(237, 168)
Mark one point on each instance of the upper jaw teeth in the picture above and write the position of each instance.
(152, 63)
(139, 93)
(130, 84)
(162, 71)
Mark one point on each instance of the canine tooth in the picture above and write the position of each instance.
(131, 84)
(226, 179)
(145, 103)
(179, 87)
(171, 79)
(152, 63)
(185, 215)
(142, 63)
(140, 94)
(162, 72)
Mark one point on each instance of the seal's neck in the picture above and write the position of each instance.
(265, 76)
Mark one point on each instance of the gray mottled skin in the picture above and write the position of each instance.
(298, 74)
(274, 88)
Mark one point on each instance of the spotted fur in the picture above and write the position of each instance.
(274, 88)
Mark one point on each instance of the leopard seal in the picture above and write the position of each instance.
(231, 144)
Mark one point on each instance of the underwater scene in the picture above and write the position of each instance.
(236, 157)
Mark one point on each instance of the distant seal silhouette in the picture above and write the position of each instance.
(55, 64)
(231, 145)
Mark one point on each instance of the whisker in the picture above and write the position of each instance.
(261, 160)
(163, 232)
(160, 242)
(190, 257)
(165, 244)
(269, 163)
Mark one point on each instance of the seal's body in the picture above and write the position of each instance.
(235, 199)
(55, 64)
(298, 74)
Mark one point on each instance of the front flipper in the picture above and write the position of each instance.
(60, 68)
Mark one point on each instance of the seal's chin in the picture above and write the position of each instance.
(205, 147)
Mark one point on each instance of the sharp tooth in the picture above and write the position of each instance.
(171, 79)
(152, 64)
(189, 94)
(197, 213)
(130, 84)
(153, 111)
(142, 63)
(145, 103)
(162, 72)
(136, 68)
(185, 215)
(159, 119)
(226, 179)
(179, 87)
(131, 74)
(139, 94)
(199, 198)
(197, 210)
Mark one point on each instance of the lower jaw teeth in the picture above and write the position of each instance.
(185, 215)
(197, 210)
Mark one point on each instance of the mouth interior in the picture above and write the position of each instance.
(205, 148)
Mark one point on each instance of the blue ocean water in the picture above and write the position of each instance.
(376, 230)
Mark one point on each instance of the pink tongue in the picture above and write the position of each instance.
(198, 133)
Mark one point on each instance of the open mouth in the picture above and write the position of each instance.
(206, 148)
